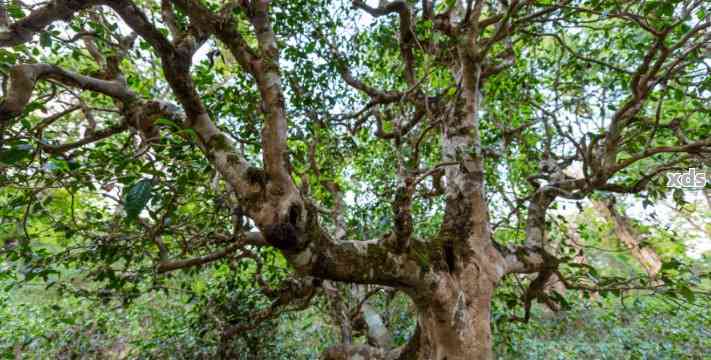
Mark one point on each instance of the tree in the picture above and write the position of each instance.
(420, 150)
(623, 229)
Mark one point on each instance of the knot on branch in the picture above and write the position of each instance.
(403, 216)
(286, 234)
(283, 236)
(257, 176)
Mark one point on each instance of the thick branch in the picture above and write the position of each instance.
(58, 10)
(24, 77)
(267, 73)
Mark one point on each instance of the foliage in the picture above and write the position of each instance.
(638, 328)
(161, 327)
(199, 178)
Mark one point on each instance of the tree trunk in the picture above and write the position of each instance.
(453, 319)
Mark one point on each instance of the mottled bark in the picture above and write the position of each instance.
(378, 334)
(454, 319)
(24, 77)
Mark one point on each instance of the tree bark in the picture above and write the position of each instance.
(454, 311)
(455, 323)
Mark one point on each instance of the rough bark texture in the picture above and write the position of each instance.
(455, 321)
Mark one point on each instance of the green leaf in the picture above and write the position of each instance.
(56, 165)
(15, 11)
(15, 154)
(45, 39)
(166, 122)
(137, 197)
(687, 293)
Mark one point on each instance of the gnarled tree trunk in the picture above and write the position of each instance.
(454, 322)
